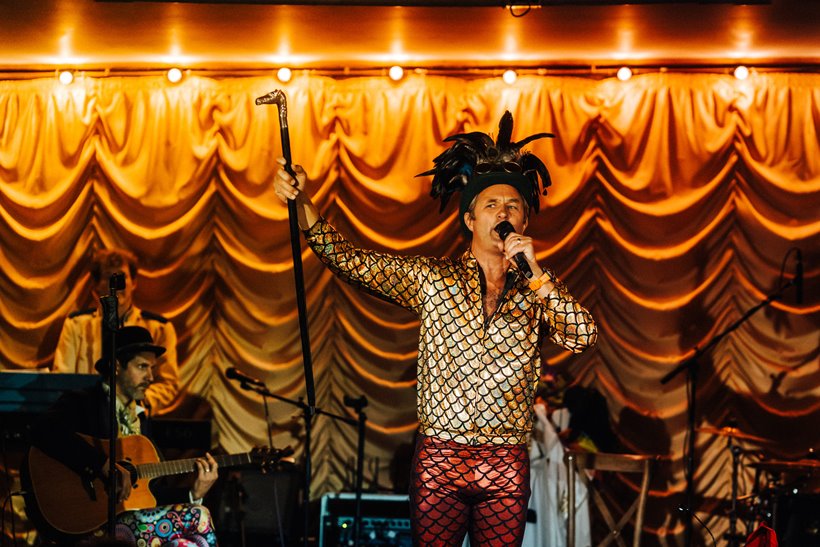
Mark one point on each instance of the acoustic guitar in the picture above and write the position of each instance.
(70, 505)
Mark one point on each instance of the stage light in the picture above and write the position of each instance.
(509, 77)
(741, 72)
(66, 77)
(396, 73)
(284, 74)
(174, 75)
(624, 73)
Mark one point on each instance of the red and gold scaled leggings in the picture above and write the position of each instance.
(458, 489)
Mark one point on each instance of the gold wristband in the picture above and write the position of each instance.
(536, 284)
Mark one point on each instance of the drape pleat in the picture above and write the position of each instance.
(675, 199)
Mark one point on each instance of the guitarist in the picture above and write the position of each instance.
(86, 412)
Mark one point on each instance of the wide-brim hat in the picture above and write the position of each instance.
(131, 340)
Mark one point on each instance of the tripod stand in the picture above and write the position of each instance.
(732, 537)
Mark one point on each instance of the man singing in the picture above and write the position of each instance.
(482, 324)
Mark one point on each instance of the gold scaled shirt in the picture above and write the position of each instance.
(476, 378)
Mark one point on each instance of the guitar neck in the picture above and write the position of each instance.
(188, 465)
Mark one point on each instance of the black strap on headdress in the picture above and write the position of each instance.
(474, 162)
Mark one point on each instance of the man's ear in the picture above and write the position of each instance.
(469, 220)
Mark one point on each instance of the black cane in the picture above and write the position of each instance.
(277, 97)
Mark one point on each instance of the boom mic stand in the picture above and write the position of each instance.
(691, 366)
(309, 411)
(110, 326)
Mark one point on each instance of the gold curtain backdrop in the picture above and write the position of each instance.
(675, 199)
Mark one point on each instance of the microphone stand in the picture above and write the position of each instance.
(732, 537)
(275, 492)
(691, 366)
(110, 326)
(307, 412)
(358, 405)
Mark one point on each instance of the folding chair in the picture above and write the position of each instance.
(578, 462)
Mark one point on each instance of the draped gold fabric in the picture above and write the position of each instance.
(675, 199)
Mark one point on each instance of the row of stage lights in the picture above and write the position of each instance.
(396, 73)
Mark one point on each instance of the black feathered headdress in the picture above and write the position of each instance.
(474, 162)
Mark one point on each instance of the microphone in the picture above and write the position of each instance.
(504, 229)
(234, 374)
(798, 278)
(117, 282)
(356, 404)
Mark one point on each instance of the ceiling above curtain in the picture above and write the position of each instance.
(47, 34)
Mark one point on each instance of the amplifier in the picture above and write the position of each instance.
(385, 520)
(259, 508)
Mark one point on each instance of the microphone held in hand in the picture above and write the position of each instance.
(504, 229)
(234, 374)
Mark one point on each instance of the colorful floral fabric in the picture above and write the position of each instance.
(181, 525)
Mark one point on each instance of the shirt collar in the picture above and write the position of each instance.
(138, 409)
(470, 263)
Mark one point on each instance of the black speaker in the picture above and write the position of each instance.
(797, 520)
(259, 508)
(385, 520)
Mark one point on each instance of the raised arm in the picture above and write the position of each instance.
(286, 187)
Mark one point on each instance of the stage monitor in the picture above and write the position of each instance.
(385, 520)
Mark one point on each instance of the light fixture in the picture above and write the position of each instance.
(174, 75)
(396, 73)
(741, 72)
(520, 9)
(624, 73)
(66, 77)
(509, 77)
(284, 74)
